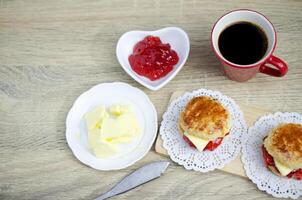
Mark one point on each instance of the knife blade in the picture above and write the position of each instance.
(138, 177)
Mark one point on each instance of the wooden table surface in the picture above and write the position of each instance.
(52, 51)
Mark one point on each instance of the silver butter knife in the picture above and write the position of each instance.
(138, 177)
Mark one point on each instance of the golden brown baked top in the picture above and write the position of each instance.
(205, 118)
(284, 143)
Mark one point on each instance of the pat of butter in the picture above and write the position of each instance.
(94, 117)
(284, 171)
(200, 144)
(108, 129)
(121, 127)
(118, 109)
(105, 150)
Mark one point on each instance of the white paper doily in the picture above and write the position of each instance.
(253, 160)
(191, 158)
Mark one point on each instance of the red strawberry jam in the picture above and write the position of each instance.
(152, 59)
(213, 144)
(296, 174)
(268, 159)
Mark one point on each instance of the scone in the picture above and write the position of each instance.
(204, 123)
(282, 150)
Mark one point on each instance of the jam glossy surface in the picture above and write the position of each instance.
(152, 59)
(212, 145)
(268, 159)
(297, 174)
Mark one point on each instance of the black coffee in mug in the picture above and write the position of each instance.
(243, 43)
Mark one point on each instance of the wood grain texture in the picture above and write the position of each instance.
(52, 51)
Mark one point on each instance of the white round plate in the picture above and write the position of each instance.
(108, 94)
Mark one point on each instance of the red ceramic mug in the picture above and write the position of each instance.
(242, 73)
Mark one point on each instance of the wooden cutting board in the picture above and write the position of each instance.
(251, 114)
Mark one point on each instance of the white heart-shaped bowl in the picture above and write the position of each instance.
(176, 37)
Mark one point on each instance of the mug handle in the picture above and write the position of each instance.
(276, 62)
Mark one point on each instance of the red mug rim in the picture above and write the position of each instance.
(237, 65)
